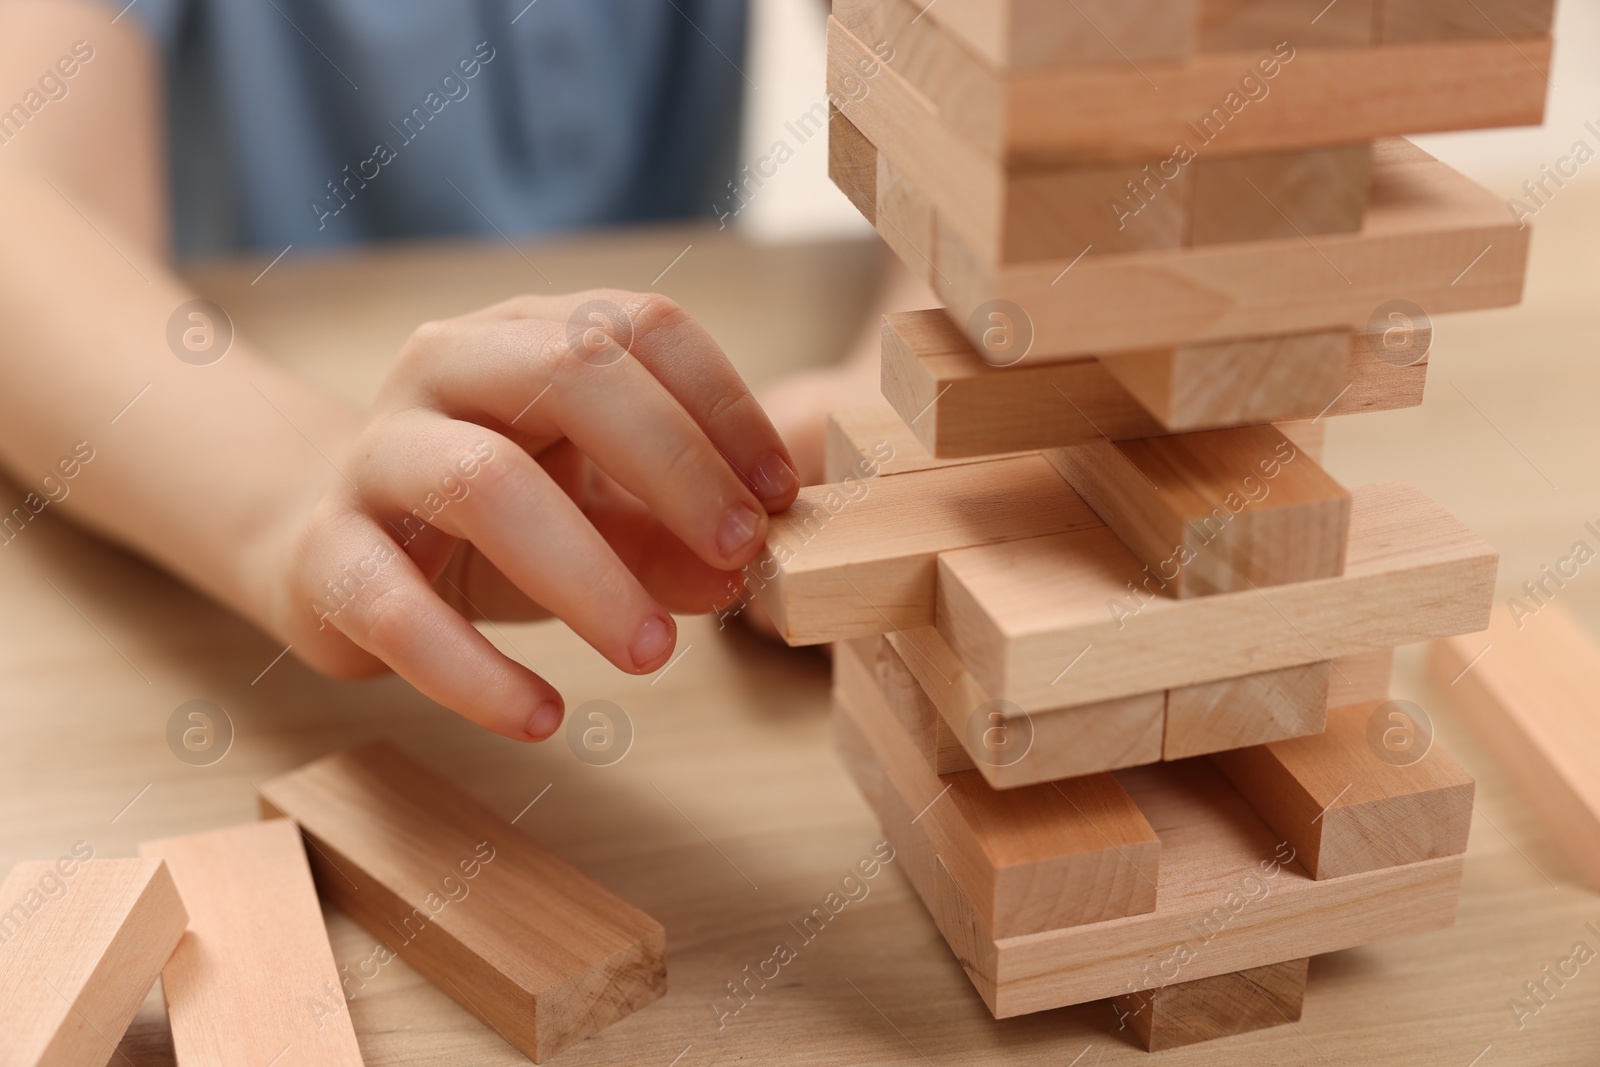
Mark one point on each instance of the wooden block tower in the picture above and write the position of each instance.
(1113, 650)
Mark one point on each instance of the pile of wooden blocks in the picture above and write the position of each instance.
(1113, 650)
(230, 921)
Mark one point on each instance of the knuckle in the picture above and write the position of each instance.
(388, 616)
(654, 311)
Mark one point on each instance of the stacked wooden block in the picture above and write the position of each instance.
(1092, 540)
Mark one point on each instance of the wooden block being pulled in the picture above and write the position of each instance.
(958, 110)
(1527, 688)
(255, 972)
(524, 940)
(82, 940)
(1230, 25)
(1231, 896)
(959, 406)
(1058, 743)
(1018, 613)
(858, 558)
(1349, 804)
(1279, 194)
(1249, 710)
(1033, 859)
(1215, 511)
(1437, 20)
(1184, 1013)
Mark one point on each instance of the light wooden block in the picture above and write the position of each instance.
(1030, 860)
(959, 406)
(1040, 33)
(905, 219)
(1308, 435)
(853, 164)
(1184, 1013)
(1215, 511)
(1360, 679)
(1531, 698)
(255, 973)
(1439, 20)
(1065, 742)
(1248, 381)
(1346, 809)
(1218, 908)
(873, 440)
(1018, 613)
(1228, 25)
(1305, 97)
(858, 558)
(1249, 710)
(935, 742)
(540, 951)
(82, 940)
(1276, 195)
(1428, 231)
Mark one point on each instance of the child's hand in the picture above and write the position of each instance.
(592, 456)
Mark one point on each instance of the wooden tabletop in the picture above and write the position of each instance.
(730, 815)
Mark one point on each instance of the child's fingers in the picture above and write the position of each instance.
(522, 522)
(522, 374)
(384, 604)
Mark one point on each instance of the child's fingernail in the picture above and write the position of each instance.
(738, 529)
(544, 721)
(774, 478)
(651, 642)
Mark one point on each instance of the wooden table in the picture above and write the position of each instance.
(730, 816)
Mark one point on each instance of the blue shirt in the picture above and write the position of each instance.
(329, 122)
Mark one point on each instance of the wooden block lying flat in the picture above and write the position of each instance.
(1241, 383)
(1320, 97)
(1018, 613)
(1308, 435)
(1249, 710)
(1424, 224)
(853, 164)
(1061, 743)
(521, 938)
(1215, 511)
(1036, 33)
(913, 710)
(1279, 194)
(255, 973)
(858, 558)
(959, 406)
(1531, 698)
(868, 441)
(1345, 808)
(1227, 25)
(1030, 860)
(1435, 20)
(82, 940)
(1231, 895)
(1187, 1012)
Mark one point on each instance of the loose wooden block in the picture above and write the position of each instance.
(1061, 742)
(1249, 381)
(1018, 613)
(1279, 195)
(537, 949)
(931, 734)
(1249, 710)
(857, 558)
(1184, 1013)
(960, 406)
(1227, 25)
(1345, 805)
(1436, 20)
(1319, 97)
(1231, 895)
(82, 940)
(1530, 697)
(255, 974)
(1032, 859)
(1215, 511)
